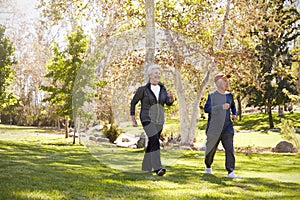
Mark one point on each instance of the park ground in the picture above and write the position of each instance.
(40, 164)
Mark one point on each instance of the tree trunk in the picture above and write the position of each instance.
(66, 127)
(10, 119)
(184, 115)
(271, 123)
(77, 128)
(188, 123)
(74, 129)
(74, 136)
(150, 36)
(195, 111)
(239, 106)
(220, 38)
(58, 124)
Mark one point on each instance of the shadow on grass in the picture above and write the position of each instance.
(55, 171)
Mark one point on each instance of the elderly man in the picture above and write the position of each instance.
(219, 106)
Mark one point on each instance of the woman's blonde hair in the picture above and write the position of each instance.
(153, 67)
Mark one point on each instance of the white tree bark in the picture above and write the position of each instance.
(184, 114)
(150, 36)
(188, 120)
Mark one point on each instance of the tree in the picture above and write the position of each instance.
(31, 51)
(193, 55)
(7, 59)
(62, 71)
(188, 31)
(278, 28)
(83, 98)
(150, 35)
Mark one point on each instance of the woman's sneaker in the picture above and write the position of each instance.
(208, 170)
(161, 171)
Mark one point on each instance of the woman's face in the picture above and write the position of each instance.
(155, 76)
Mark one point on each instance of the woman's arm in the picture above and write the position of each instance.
(136, 98)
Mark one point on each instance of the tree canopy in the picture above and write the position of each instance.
(256, 41)
(62, 71)
(7, 59)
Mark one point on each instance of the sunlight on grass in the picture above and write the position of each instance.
(39, 194)
(281, 177)
(260, 121)
(45, 166)
(256, 139)
(24, 129)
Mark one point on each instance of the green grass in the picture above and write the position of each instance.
(24, 129)
(259, 121)
(47, 166)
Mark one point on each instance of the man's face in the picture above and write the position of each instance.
(223, 84)
(226, 83)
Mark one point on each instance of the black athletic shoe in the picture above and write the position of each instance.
(161, 171)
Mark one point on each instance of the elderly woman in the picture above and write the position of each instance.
(153, 97)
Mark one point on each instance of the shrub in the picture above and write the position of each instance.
(170, 133)
(111, 131)
(288, 132)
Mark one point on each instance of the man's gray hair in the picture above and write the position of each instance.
(153, 67)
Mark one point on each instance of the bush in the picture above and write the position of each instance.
(111, 131)
(288, 132)
(170, 133)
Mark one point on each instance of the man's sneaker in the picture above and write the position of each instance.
(208, 170)
(233, 175)
(161, 171)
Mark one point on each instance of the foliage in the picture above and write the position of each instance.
(48, 167)
(83, 96)
(7, 59)
(197, 20)
(63, 69)
(277, 29)
(288, 132)
(111, 131)
(55, 11)
(170, 132)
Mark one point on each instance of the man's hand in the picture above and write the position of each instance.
(226, 106)
(234, 118)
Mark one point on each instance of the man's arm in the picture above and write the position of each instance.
(208, 108)
(233, 108)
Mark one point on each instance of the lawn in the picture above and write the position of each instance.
(24, 129)
(36, 165)
(258, 121)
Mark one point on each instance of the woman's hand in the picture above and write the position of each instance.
(171, 96)
(134, 122)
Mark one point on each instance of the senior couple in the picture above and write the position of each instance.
(219, 106)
